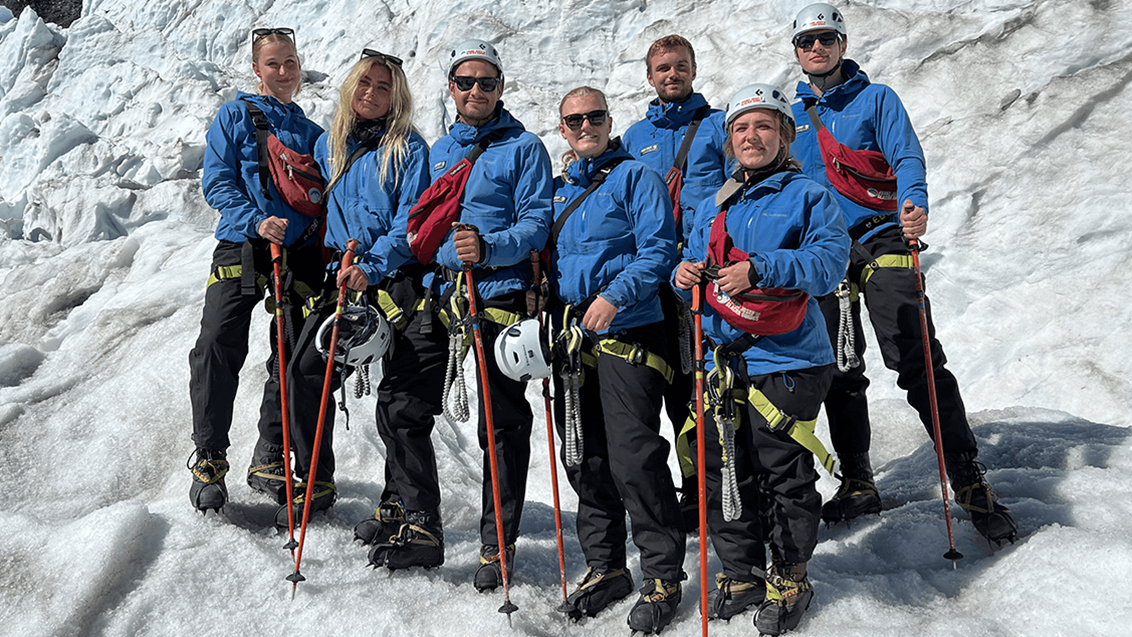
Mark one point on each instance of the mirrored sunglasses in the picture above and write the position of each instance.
(574, 121)
(806, 40)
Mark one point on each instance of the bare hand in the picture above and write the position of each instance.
(688, 274)
(600, 315)
(735, 278)
(353, 278)
(274, 229)
(467, 244)
(914, 220)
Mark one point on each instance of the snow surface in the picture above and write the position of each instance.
(105, 242)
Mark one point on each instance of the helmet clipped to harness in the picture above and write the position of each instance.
(522, 351)
(364, 336)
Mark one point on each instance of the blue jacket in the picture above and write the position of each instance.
(507, 197)
(795, 234)
(656, 139)
(621, 241)
(863, 116)
(377, 216)
(231, 167)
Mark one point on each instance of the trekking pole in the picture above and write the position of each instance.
(951, 554)
(485, 387)
(331, 350)
(701, 469)
(281, 360)
(566, 606)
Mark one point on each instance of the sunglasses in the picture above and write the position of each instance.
(487, 84)
(806, 40)
(384, 57)
(574, 121)
(259, 34)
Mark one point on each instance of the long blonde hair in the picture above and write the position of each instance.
(276, 37)
(394, 146)
(571, 156)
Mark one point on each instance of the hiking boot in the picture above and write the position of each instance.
(690, 508)
(732, 597)
(324, 495)
(266, 473)
(788, 595)
(385, 523)
(208, 490)
(656, 607)
(857, 494)
(597, 591)
(419, 542)
(991, 518)
(489, 576)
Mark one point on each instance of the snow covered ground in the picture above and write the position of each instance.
(105, 243)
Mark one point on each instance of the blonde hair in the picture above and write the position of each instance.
(394, 146)
(276, 37)
(786, 134)
(570, 156)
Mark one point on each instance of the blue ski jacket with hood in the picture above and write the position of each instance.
(796, 236)
(620, 243)
(507, 198)
(231, 167)
(863, 116)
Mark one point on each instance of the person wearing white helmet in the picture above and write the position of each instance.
(869, 117)
(612, 244)
(504, 215)
(769, 232)
(681, 138)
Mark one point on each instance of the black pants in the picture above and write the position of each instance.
(624, 468)
(891, 298)
(768, 465)
(682, 389)
(216, 359)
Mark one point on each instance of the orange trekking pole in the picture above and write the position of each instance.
(914, 245)
(281, 359)
(701, 460)
(485, 387)
(331, 351)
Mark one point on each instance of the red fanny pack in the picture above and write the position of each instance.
(296, 176)
(862, 176)
(765, 312)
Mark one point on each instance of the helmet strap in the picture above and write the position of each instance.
(825, 81)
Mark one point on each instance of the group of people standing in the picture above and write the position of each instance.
(737, 204)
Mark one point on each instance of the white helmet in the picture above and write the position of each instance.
(522, 351)
(755, 96)
(818, 17)
(474, 50)
(363, 336)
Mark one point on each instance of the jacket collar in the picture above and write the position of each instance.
(674, 114)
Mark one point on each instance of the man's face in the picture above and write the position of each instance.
(817, 57)
(475, 105)
(671, 73)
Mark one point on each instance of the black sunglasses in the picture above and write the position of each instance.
(806, 40)
(384, 57)
(259, 34)
(574, 121)
(487, 84)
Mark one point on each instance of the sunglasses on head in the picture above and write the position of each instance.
(384, 57)
(574, 121)
(806, 40)
(259, 34)
(487, 84)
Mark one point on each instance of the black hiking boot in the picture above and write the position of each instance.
(656, 607)
(788, 595)
(324, 495)
(266, 471)
(385, 523)
(857, 494)
(208, 490)
(597, 591)
(489, 576)
(991, 518)
(419, 542)
(732, 597)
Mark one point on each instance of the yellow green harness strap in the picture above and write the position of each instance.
(802, 431)
(884, 261)
(635, 355)
(396, 316)
(228, 272)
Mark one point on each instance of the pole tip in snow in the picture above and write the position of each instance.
(508, 608)
(566, 607)
(291, 545)
(953, 555)
(296, 577)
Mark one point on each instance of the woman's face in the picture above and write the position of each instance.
(374, 94)
(278, 69)
(755, 138)
(588, 140)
